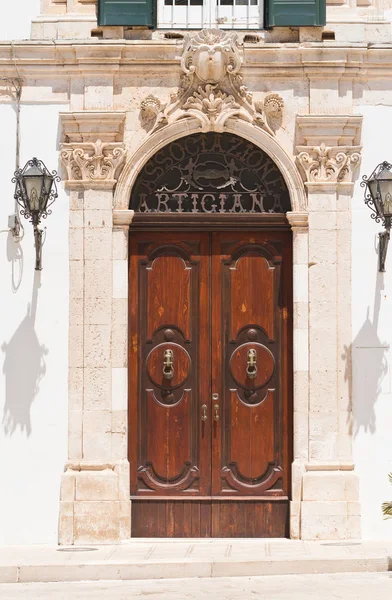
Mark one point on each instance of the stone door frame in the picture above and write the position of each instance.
(95, 504)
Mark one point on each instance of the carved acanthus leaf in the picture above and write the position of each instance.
(326, 164)
(98, 162)
(212, 102)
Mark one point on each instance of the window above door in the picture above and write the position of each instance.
(225, 14)
(197, 14)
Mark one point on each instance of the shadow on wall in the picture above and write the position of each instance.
(24, 367)
(370, 367)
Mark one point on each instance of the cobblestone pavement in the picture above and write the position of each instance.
(348, 586)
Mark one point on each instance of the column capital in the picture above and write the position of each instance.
(92, 152)
(328, 150)
(298, 220)
(328, 164)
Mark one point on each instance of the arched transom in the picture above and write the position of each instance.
(210, 173)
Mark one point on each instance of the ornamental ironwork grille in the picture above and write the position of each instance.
(210, 173)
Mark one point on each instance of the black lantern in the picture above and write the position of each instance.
(378, 197)
(35, 191)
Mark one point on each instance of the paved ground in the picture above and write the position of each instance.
(351, 586)
(169, 559)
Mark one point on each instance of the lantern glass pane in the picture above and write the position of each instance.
(33, 191)
(385, 184)
(32, 180)
(375, 193)
(48, 181)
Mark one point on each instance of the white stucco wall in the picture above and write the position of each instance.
(33, 344)
(15, 23)
(372, 338)
(34, 330)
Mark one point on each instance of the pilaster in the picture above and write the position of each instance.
(95, 505)
(328, 159)
(299, 225)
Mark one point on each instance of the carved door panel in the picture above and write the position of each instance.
(170, 364)
(251, 358)
(210, 377)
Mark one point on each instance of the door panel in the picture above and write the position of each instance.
(210, 432)
(251, 279)
(251, 291)
(163, 306)
(169, 324)
(180, 517)
(248, 517)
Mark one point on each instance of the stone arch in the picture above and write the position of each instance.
(185, 127)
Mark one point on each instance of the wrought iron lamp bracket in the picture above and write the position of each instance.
(376, 206)
(35, 216)
(383, 238)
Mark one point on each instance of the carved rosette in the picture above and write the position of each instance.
(326, 164)
(94, 163)
(212, 90)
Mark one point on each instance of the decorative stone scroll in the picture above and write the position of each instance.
(95, 162)
(212, 89)
(328, 164)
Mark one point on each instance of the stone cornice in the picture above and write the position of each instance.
(312, 60)
(88, 126)
(331, 130)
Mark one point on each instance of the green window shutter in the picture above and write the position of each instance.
(295, 13)
(126, 12)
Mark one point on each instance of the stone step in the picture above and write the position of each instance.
(163, 559)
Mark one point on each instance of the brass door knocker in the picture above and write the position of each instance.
(168, 369)
(251, 368)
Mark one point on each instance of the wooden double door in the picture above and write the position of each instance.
(210, 360)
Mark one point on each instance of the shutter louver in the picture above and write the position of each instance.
(126, 12)
(296, 13)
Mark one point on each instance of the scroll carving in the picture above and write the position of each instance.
(326, 164)
(94, 162)
(212, 89)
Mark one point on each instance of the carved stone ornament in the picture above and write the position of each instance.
(325, 164)
(149, 108)
(212, 90)
(92, 162)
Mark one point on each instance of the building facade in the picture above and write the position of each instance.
(206, 350)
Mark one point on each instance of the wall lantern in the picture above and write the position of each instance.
(378, 197)
(35, 191)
